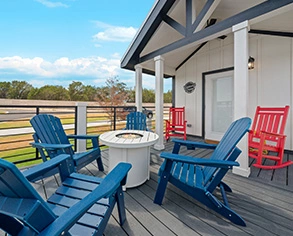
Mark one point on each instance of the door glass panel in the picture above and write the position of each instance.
(222, 104)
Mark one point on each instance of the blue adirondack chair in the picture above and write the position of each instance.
(82, 205)
(50, 136)
(136, 121)
(199, 177)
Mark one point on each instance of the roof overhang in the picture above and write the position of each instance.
(176, 29)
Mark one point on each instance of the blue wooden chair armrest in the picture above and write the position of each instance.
(51, 146)
(63, 162)
(94, 138)
(107, 187)
(193, 145)
(199, 161)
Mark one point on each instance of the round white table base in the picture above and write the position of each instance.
(135, 151)
(139, 158)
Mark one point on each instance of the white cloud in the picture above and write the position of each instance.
(51, 4)
(114, 33)
(98, 67)
(116, 56)
(90, 70)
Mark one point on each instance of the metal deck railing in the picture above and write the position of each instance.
(16, 131)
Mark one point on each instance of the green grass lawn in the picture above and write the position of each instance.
(25, 123)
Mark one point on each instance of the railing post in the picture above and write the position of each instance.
(114, 121)
(81, 125)
(37, 113)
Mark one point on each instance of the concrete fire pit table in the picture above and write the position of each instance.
(132, 146)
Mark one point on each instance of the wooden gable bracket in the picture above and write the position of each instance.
(199, 22)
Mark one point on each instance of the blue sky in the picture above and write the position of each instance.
(59, 41)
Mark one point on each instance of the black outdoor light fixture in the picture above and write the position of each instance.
(251, 63)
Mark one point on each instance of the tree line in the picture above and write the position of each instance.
(114, 90)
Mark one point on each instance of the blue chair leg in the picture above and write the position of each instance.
(100, 164)
(226, 187)
(120, 205)
(163, 181)
(176, 148)
(161, 190)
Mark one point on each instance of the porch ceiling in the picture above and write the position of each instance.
(165, 34)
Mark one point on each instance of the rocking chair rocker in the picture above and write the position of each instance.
(266, 138)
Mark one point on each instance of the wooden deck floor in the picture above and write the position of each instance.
(266, 205)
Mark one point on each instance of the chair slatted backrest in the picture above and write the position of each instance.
(136, 121)
(177, 116)
(17, 196)
(49, 129)
(270, 119)
(227, 144)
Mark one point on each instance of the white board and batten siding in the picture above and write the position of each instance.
(270, 82)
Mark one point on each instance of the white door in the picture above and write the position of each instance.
(219, 106)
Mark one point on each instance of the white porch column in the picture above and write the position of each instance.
(241, 90)
(138, 87)
(81, 125)
(159, 73)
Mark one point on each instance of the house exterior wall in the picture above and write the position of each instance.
(270, 82)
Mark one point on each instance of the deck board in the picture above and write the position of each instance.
(264, 202)
(131, 226)
(145, 217)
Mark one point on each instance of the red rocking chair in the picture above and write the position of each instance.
(176, 123)
(266, 138)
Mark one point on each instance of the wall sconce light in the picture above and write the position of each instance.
(251, 63)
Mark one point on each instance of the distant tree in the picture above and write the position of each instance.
(49, 92)
(33, 94)
(115, 93)
(19, 90)
(91, 92)
(4, 89)
(168, 97)
(131, 95)
(148, 95)
(77, 92)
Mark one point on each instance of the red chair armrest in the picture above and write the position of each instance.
(273, 134)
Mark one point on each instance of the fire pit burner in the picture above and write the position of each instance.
(129, 135)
